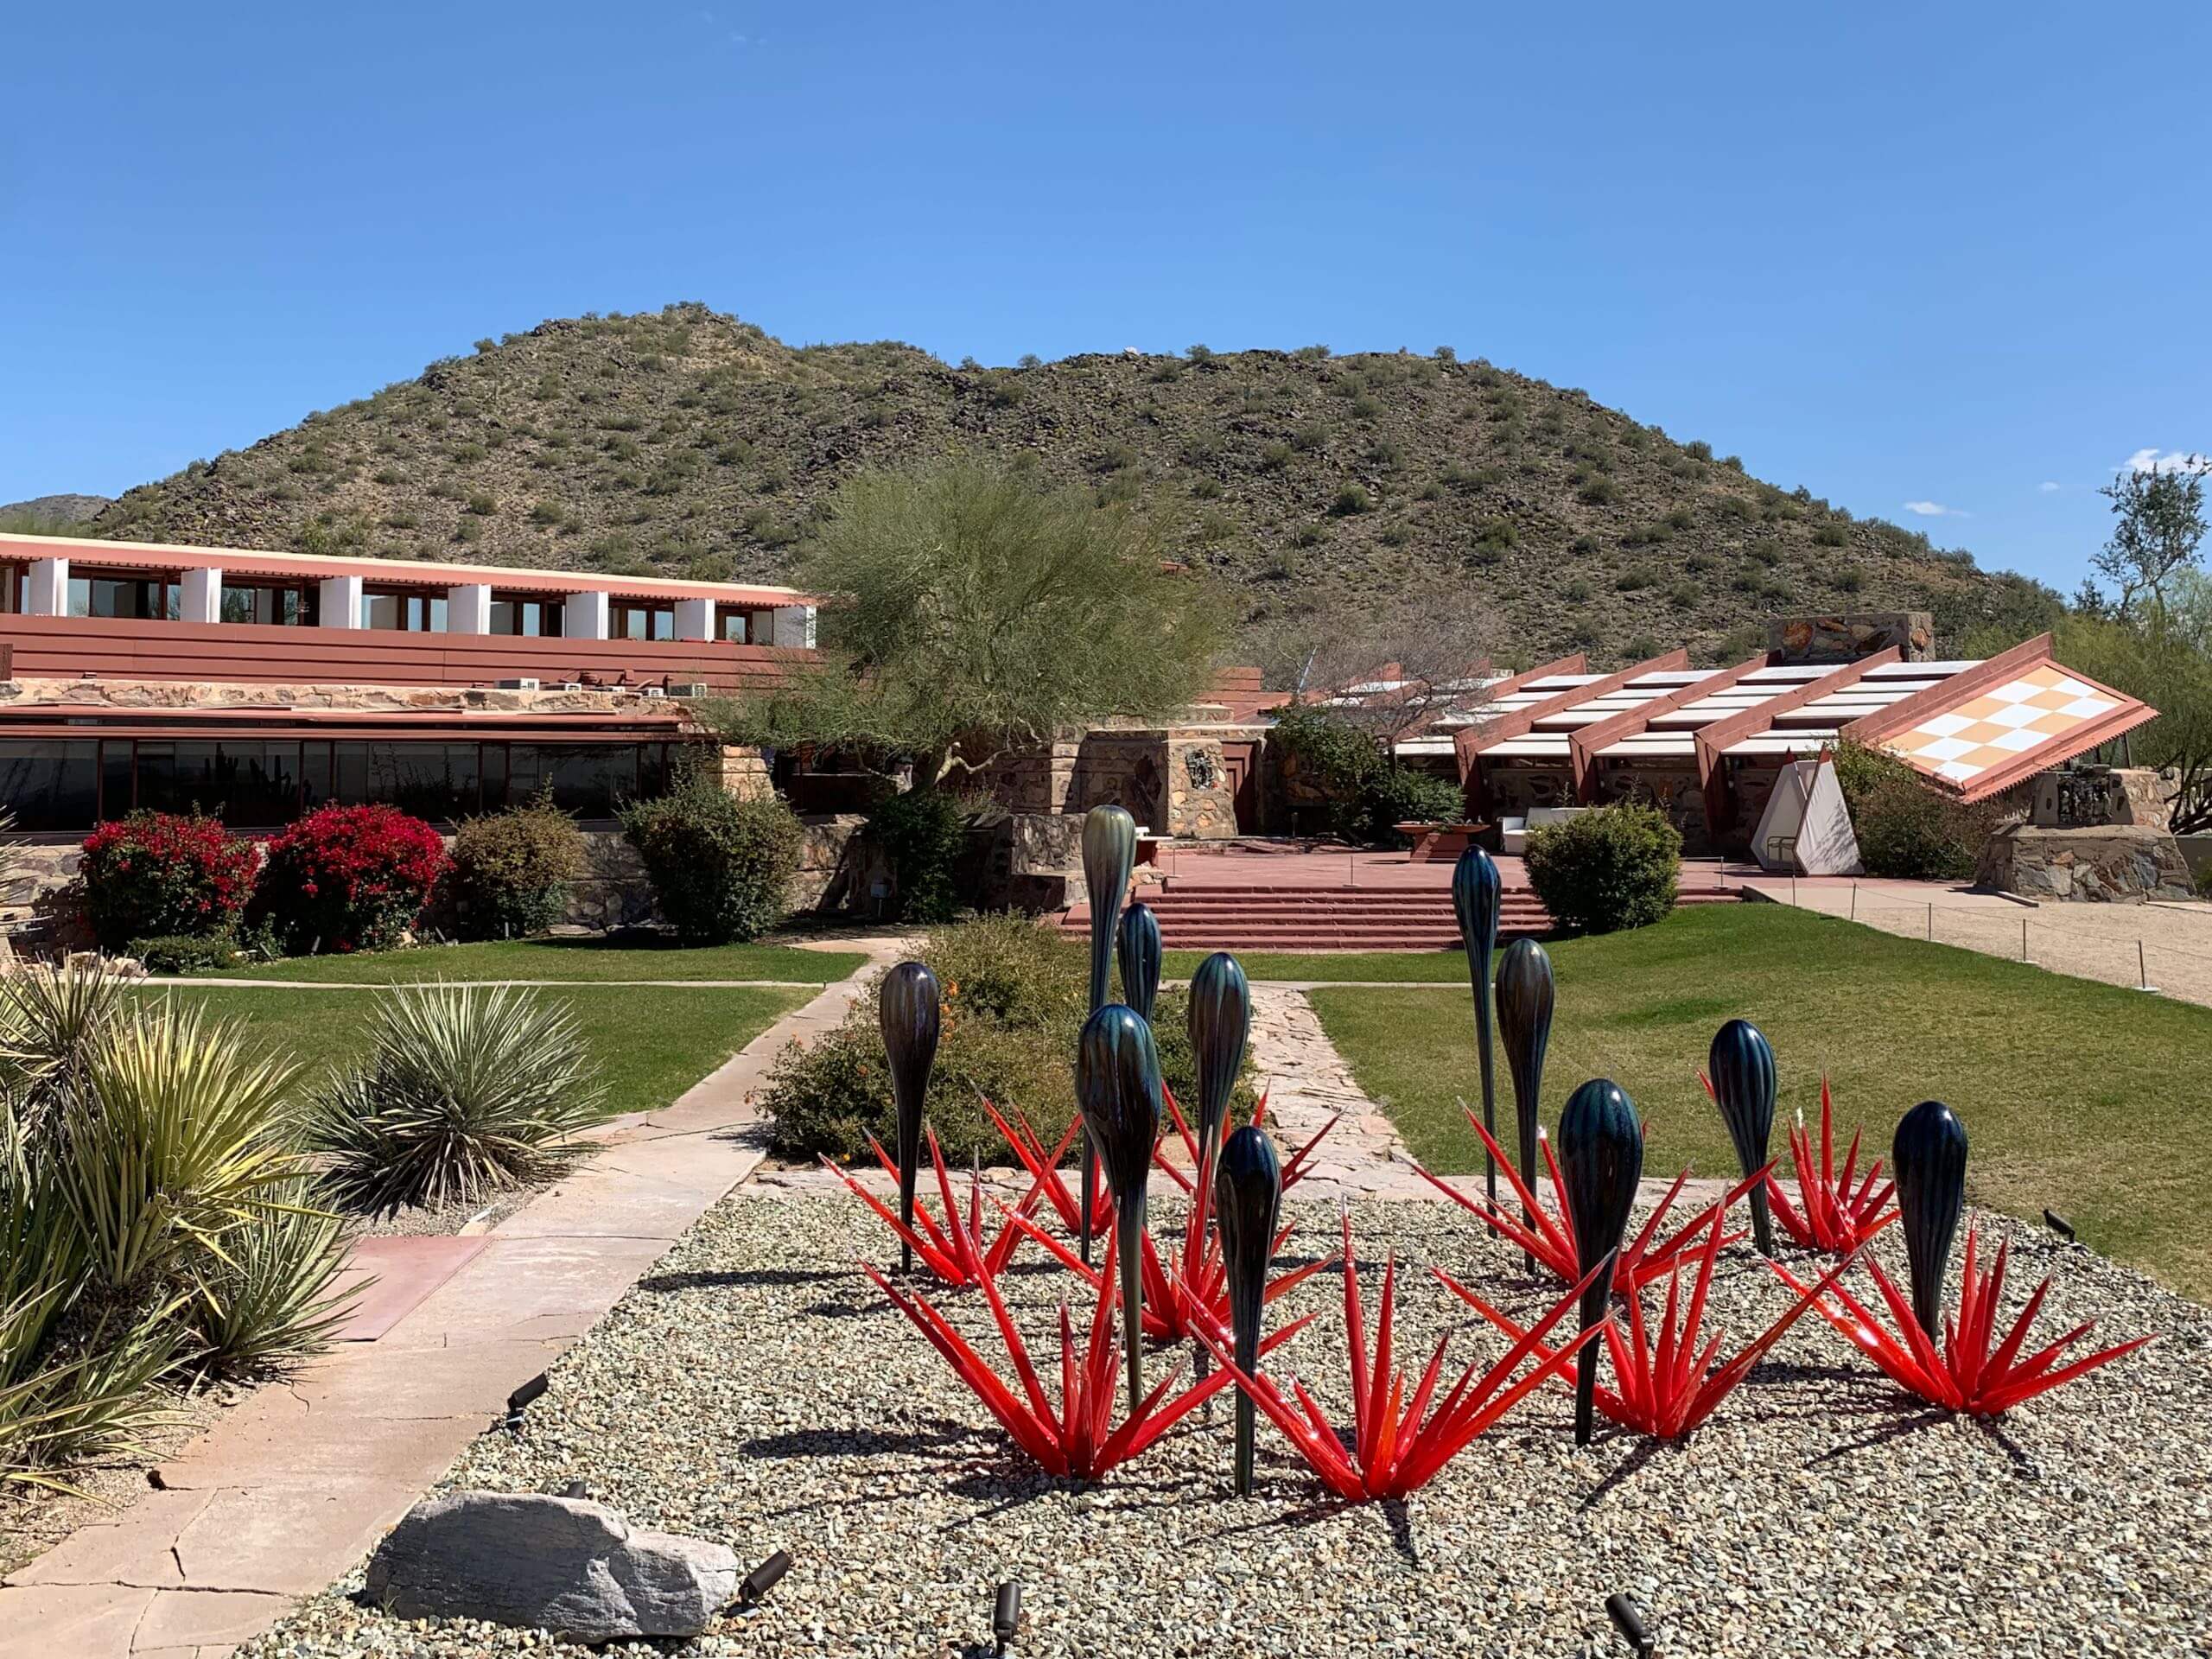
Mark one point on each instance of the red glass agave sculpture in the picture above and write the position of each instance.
(1668, 1388)
(1186, 1296)
(1077, 1440)
(1832, 1213)
(954, 1250)
(1396, 1449)
(1548, 1235)
(1044, 1167)
(1292, 1171)
(1965, 1375)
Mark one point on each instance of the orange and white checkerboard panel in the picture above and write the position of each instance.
(2042, 706)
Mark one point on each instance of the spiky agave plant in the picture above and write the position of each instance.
(271, 1300)
(467, 1090)
(1972, 1370)
(48, 1017)
(1832, 1213)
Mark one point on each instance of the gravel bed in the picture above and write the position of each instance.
(755, 1389)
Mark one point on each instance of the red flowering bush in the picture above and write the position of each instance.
(160, 874)
(348, 878)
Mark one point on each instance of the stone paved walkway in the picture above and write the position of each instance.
(289, 1490)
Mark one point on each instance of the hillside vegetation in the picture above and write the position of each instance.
(690, 442)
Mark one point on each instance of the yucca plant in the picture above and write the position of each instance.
(92, 1397)
(268, 1302)
(173, 1139)
(48, 1017)
(467, 1090)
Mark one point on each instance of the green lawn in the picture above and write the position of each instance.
(576, 959)
(653, 1042)
(2077, 1095)
(1414, 967)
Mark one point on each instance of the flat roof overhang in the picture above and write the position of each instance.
(140, 556)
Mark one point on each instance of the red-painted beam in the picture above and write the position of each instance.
(1713, 740)
(1583, 744)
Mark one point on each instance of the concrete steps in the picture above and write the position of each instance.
(1286, 917)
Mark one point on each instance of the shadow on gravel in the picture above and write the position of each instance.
(1904, 1419)
(856, 1442)
(757, 1278)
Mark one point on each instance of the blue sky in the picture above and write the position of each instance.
(1951, 256)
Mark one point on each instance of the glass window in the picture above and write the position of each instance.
(130, 599)
(51, 785)
(734, 625)
(440, 781)
(589, 780)
(284, 607)
(627, 621)
(246, 783)
(380, 611)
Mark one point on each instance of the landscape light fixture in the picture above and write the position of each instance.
(1006, 1614)
(520, 1400)
(2058, 1224)
(1627, 1619)
(763, 1579)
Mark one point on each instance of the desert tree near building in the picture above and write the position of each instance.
(978, 611)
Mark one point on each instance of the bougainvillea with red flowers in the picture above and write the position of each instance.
(163, 874)
(349, 878)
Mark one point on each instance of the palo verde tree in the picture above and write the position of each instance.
(2159, 514)
(971, 610)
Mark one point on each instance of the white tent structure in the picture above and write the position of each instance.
(1807, 827)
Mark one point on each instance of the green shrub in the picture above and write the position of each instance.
(1599, 872)
(720, 868)
(467, 1090)
(923, 833)
(1016, 996)
(1397, 795)
(1351, 499)
(1906, 828)
(183, 954)
(510, 870)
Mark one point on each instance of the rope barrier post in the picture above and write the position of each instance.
(1854, 901)
(2024, 938)
(1931, 922)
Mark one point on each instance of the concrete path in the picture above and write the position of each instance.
(2166, 946)
(287, 1491)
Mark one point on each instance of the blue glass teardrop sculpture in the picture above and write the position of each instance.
(1117, 1087)
(1475, 894)
(1136, 948)
(1741, 1066)
(1248, 1198)
(1219, 1019)
(1524, 1028)
(1928, 1159)
(910, 1012)
(1601, 1160)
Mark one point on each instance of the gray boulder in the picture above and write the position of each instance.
(560, 1564)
